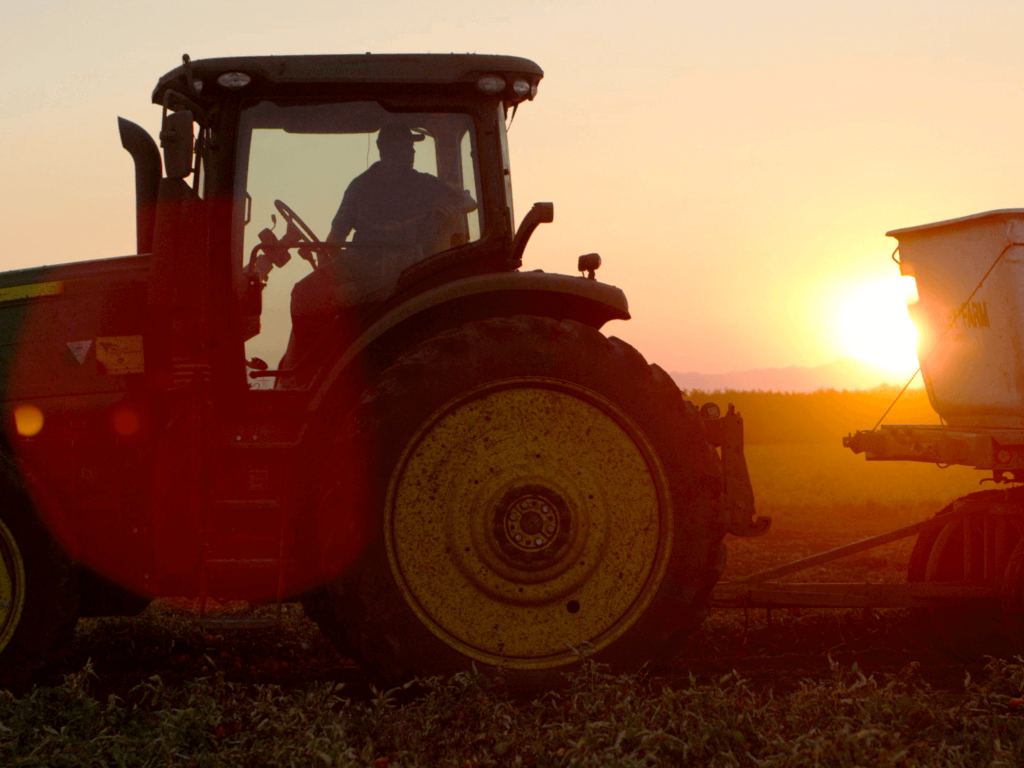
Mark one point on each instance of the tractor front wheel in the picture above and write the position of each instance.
(38, 596)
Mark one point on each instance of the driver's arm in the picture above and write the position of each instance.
(345, 219)
(342, 226)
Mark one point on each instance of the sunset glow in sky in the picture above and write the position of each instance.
(736, 165)
(872, 323)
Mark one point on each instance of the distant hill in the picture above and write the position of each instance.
(841, 374)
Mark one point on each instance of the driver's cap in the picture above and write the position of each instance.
(395, 134)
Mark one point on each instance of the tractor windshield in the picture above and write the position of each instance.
(381, 190)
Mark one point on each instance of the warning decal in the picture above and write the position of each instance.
(116, 355)
(80, 349)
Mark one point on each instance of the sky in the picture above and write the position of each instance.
(736, 165)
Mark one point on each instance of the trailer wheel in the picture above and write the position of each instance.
(923, 545)
(532, 489)
(959, 554)
(918, 566)
(38, 598)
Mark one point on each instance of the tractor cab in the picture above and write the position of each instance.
(329, 186)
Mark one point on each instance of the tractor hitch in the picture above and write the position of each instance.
(737, 493)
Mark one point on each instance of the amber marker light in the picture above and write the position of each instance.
(28, 420)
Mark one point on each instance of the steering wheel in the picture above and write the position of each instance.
(291, 218)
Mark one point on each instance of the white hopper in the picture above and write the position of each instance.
(970, 338)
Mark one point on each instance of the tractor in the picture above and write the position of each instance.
(325, 377)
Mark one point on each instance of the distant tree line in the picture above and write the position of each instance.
(824, 416)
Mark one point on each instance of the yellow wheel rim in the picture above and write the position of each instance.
(12, 585)
(527, 518)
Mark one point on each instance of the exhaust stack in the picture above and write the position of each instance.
(144, 152)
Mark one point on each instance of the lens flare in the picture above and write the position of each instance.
(126, 423)
(28, 420)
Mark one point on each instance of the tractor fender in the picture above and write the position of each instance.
(472, 298)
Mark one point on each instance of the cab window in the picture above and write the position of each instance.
(333, 203)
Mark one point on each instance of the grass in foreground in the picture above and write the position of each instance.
(812, 690)
(845, 718)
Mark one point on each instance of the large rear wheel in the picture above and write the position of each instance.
(530, 490)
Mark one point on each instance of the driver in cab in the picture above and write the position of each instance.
(396, 216)
(393, 207)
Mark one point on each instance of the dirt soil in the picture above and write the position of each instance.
(779, 648)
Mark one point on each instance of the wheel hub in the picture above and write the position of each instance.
(532, 525)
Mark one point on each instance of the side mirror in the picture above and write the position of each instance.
(176, 140)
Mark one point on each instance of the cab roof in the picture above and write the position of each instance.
(347, 69)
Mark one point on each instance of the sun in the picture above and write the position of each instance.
(873, 324)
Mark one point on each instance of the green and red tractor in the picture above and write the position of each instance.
(444, 459)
